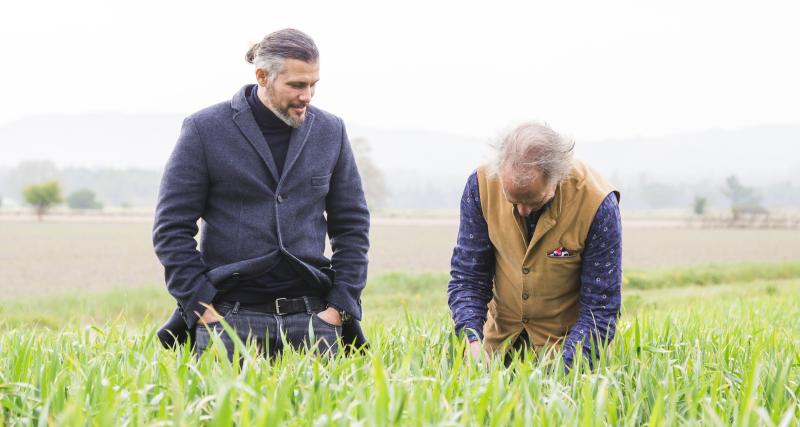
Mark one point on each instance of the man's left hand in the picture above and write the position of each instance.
(331, 315)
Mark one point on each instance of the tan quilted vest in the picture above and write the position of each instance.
(534, 291)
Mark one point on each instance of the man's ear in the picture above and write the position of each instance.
(261, 77)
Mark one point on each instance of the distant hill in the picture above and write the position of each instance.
(760, 154)
(763, 155)
(93, 140)
(424, 168)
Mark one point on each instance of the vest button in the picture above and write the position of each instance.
(280, 198)
(526, 270)
(525, 295)
(524, 320)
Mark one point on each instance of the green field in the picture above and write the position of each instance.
(713, 345)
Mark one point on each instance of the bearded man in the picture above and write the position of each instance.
(269, 176)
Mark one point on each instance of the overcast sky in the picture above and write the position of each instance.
(592, 69)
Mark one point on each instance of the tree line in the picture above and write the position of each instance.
(41, 184)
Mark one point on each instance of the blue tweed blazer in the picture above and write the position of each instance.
(222, 172)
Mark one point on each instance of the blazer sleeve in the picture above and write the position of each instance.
(181, 202)
(348, 229)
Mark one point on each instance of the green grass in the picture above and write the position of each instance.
(734, 363)
(712, 274)
(384, 298)
(714, 354)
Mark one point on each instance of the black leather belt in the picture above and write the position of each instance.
(281, 306)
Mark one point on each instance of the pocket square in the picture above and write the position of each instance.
(561, 252)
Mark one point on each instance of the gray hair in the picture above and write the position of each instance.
(533, 148)
(271, 53)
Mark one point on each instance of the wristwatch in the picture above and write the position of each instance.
(343, 314)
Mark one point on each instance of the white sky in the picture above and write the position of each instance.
(591, 69)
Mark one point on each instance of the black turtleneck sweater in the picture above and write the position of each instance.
(276, 132)
(282, 281)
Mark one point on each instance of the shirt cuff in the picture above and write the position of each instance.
(471, 333)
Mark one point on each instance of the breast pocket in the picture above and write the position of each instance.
(321, 183)
(563, 274)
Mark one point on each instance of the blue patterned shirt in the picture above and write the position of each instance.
(472, 273)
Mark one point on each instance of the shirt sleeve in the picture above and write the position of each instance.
(471, 267)
(601, 282)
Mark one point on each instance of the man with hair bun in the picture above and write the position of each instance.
(269, 176)
(537, 264)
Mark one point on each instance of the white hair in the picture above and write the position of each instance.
(531, 149)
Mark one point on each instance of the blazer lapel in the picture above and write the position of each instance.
(297, 141)
(247, 124)
(243, 117)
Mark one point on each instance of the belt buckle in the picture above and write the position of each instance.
(278, 307)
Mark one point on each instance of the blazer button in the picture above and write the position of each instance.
(280, 198)
(525, 295)
(524, 320)
(235, 276)
(526, 270)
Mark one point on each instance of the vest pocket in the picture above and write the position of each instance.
(563, 259)
(562, 275)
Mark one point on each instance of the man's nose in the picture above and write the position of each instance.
(306, 94)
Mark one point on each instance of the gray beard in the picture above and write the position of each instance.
(283, 115)
(286, 119)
